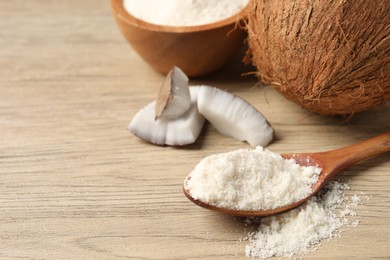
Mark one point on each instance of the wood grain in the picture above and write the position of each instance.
(74, 184)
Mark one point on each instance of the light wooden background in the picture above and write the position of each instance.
(75, 184)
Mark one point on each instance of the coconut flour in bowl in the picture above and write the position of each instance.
(183, 12)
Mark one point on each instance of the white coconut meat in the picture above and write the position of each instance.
(233, 116)
(174, 96)
(163, 131)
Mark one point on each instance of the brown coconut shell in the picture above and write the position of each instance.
(331, 57)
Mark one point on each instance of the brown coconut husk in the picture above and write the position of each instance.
(332, 57)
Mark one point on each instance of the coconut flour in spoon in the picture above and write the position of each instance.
(183, 12)
(250, 179)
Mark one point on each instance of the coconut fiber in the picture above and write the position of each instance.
(331, 57)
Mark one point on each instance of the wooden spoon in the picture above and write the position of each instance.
(332, 163)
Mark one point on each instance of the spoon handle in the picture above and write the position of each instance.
(337, 160)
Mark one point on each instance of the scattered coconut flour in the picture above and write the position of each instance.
(301, 230)
(250, 179)
(183, 12)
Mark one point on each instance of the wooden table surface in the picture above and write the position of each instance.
(75, 184)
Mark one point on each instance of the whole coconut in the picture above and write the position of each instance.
(332, 57)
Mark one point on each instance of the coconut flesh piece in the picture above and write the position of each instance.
(164, 131)
(233, 116)
(174, 96)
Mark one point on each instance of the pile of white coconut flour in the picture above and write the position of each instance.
(301, 230)
(260, 179)
(183, 12)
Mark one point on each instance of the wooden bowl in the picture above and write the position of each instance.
(197, 50)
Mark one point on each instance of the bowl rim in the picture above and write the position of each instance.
(120, 12)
